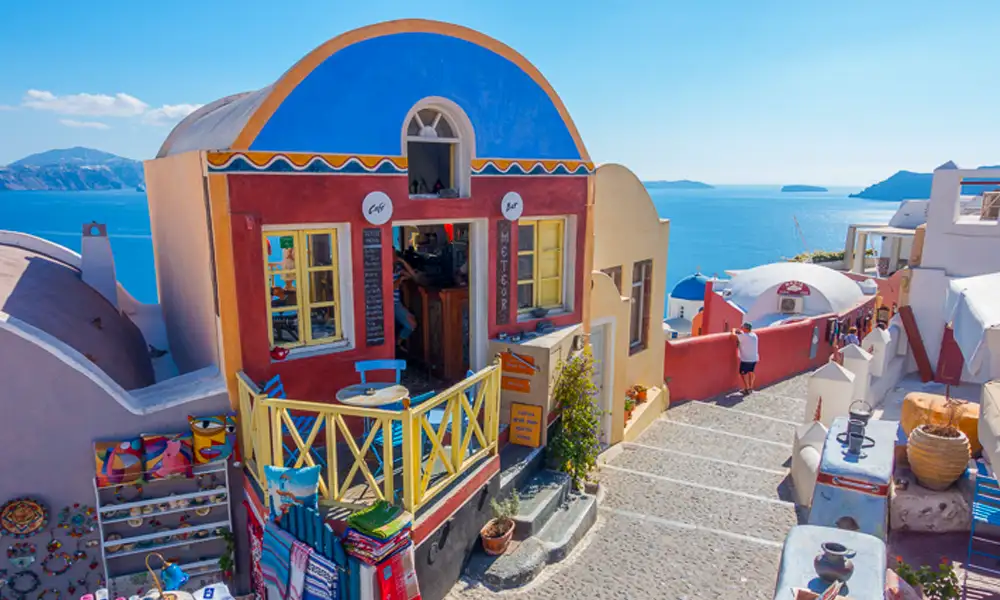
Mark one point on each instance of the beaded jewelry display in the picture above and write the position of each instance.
(78, 520)
(19, 586)
(63, 556)
(120, 496)
(54, 545)
(50, 591)
(80, 553)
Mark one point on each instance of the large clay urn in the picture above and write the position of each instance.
(937, 459)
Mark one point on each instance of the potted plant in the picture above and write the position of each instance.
(936, 584)
(629, 407)
(498, 532)
(639, 393)
(575, 445)
(939, 454)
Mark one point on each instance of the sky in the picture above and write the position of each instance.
(724, 91)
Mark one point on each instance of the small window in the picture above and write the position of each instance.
(303, 284)
(681, 315)
(615, 273)
(540, 264)
(639, 319)
(432, 150)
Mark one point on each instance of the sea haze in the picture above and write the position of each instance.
(728, 227)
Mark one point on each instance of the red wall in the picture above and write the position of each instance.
(703, 367)
(257, 200)
(719, 316)
(887, 288)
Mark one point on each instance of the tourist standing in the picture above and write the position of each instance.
(749, 355)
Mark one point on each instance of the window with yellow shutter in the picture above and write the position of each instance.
(540, 264)
(303, 287)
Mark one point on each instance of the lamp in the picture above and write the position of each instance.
(173, 576)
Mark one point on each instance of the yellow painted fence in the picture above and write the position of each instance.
(296, 433)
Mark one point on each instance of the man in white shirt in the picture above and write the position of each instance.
(747, 341)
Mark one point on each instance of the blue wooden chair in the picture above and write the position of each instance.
(397, 433)
(274, 388)
(365, 366)
(436, 415)
(985, 511)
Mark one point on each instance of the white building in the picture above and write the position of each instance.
(684, 302)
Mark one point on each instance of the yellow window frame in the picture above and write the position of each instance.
(302, 273)
(537, 252)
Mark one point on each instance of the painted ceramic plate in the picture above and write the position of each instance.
(23, 517)
(203, 511)
(112, 548)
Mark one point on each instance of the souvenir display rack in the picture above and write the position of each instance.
(191, 521)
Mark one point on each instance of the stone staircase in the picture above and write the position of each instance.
(552, 519)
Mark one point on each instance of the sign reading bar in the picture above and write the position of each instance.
(503, 272)
(371, 240)
(525, 424)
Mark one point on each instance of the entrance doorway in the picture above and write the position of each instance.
(601, 345)
(433, 305)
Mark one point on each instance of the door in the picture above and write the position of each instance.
(599, 345)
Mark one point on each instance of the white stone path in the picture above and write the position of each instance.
(696, 508)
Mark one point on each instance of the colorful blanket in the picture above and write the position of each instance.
(256, 534)
(275, 561)
(381, 520)
(322, 579)
(398, 578)
(371, 550)
(297, 571)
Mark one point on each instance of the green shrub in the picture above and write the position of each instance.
(576, 444)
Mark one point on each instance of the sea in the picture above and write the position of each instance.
(728, 227)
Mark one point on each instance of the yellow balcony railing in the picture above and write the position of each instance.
(441, 439)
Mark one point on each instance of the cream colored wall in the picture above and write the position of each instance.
(178, 217)
(606, 302)
(627, 229)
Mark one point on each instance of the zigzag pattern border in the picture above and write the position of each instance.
(497, 166)
(277, 162)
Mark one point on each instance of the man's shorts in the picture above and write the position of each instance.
(747, 367)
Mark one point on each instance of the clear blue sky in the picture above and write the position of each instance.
(737, 91)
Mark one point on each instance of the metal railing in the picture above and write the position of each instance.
(441, 439)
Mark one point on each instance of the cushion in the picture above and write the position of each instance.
(118, 461)
(287, 487)
(167, 455)
(214, 437)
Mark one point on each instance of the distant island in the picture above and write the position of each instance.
(803, 188)
(682, 184)
(72, 169)
(908, 185)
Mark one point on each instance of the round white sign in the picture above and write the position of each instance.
(377, 208)
(511, 206)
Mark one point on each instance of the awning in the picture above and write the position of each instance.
(974, 311)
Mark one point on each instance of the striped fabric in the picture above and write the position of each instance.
(297, 571)
(275, 560)
(322, 579)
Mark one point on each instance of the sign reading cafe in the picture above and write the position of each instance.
(377, 208)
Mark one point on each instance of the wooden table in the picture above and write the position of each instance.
(385, 393)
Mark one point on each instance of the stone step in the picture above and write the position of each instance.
(701, 506)
(700, 441)
(765, 404)
(518, 464)
(768, 483)
(540, 499)
(731, 421)
(793, 387)
(523, 563)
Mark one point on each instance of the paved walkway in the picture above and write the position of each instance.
(696, 508)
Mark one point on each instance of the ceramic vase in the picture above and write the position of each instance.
(935, 460)
(834, 562)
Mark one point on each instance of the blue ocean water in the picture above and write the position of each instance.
(729, 227)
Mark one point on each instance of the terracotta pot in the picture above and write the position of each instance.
(495, 546)
(937, 461)
(628, 415)
(640, 395)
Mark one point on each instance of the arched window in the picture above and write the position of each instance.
(438, 147)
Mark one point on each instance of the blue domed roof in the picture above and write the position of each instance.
(691, 287)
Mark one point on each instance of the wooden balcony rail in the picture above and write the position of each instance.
(442, 438)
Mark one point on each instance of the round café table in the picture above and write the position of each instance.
(385, 393)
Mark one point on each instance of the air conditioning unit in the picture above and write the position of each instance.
(790, 306)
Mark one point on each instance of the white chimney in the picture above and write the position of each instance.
(97, 267)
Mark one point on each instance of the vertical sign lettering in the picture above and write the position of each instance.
(374, 312)
(503, 272)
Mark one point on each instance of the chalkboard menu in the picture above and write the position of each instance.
(374, 310)
(503, 272)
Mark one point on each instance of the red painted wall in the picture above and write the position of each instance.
(720, 316)
(257, 200)
(887, 288)
(703, 367)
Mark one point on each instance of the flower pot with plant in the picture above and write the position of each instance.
(939, 454)
(936, 584)
(498, 532)
(639, 393)
(576, 444)
(629, 407)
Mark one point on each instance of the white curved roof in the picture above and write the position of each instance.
(215, 125)
(840, 290)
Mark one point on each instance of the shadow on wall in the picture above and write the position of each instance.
(706, 366)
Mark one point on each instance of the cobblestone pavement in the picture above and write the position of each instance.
(696, 508)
